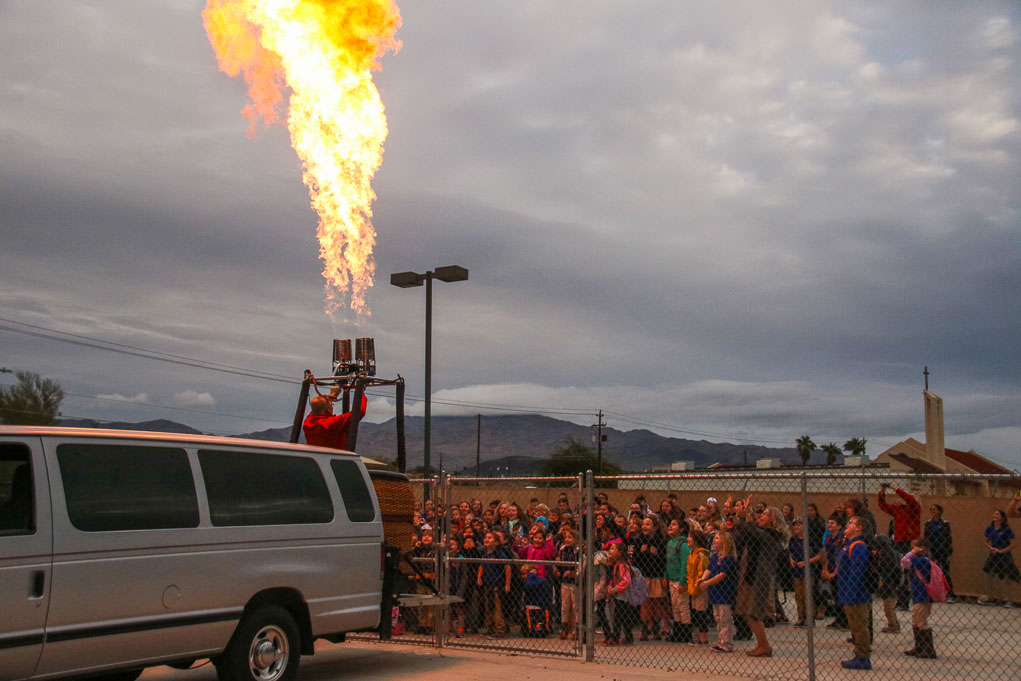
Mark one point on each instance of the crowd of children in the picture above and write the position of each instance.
(675, 575)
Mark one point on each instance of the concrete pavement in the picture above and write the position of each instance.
(402, 662)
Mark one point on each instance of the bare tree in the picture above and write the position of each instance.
(33, 401)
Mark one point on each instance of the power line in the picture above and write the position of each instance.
(156, 405)
(183, 360)
(98, 344)
(688, 431)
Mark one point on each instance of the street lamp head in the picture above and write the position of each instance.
(407, 279)
(451, 273)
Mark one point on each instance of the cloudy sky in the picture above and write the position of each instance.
(737, 221)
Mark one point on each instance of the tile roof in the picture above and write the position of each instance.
(976, 462)
(916, 465)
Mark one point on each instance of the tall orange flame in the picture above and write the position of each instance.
(324, 51)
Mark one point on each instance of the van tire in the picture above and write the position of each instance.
(265, 647)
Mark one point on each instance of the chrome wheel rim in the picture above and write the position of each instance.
(267, 657)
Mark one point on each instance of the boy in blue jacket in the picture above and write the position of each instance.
(853, 594)
(917, 563)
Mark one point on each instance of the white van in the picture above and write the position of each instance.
(121, 550)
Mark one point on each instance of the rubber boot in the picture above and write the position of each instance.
(925, 645)
(914, 649)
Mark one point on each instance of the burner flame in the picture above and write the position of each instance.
(322, 54)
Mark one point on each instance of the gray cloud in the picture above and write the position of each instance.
(754, 221)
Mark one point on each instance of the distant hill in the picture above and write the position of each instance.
(517, 444)
(158, 425)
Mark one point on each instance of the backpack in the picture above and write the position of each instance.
(639, 591)
(871, 576)
(937, 586)
(536, 624)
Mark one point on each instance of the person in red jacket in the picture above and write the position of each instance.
(907, 527)
(324, 429)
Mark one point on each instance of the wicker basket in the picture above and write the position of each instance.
(397, 506)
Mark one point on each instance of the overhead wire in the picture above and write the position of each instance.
(157, 405)
(38, 331)
(134, 351)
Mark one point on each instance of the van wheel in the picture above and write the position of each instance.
(265, 647)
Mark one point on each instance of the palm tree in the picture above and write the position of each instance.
(832, 452)
(855, 446)
(805, 447)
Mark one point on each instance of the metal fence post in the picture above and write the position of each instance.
(806, 545)
(588, 620)
(442, 611)
(581, 582)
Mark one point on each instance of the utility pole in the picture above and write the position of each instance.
(600, 438)
(478, 442)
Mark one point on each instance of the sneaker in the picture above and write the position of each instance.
(800, 623)
(984, 601)
(1008, 604)
(720, 649)
(857, 663)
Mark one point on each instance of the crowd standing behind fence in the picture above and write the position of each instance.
(716, 567)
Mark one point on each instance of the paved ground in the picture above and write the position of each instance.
(973, 643)
(399, 662)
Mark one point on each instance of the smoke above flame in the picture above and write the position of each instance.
(321, 55)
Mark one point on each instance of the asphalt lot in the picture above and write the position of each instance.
(397, 662)
(973, 643)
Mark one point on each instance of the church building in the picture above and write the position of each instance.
(932, 456)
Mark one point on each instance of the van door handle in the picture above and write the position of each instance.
(38, 587)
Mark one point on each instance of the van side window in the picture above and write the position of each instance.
(264, 489)
(353, 491)
(127, 487)
(17, 495)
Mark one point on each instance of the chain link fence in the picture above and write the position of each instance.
(768, 574)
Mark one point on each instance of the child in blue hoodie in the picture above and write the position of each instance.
(918, 565)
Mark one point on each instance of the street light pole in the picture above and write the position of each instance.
(450, 273)
(427, 426)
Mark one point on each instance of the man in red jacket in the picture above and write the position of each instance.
(907, 526)
(322, 428)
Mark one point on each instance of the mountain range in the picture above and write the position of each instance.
(510, 444)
